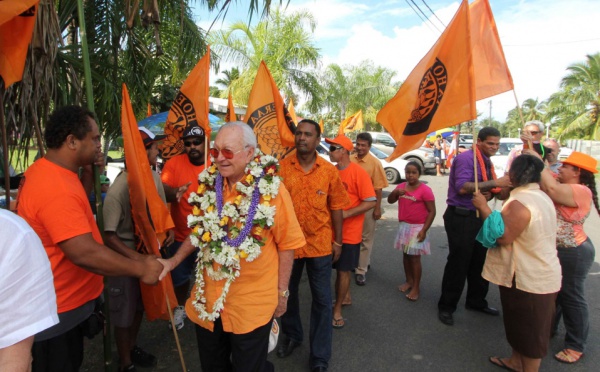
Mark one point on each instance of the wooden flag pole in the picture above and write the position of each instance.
(529, 144)
(173, 325)
(474, 147)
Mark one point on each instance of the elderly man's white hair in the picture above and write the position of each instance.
(537, 123)
(248, 135)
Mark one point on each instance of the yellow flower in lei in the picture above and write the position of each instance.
(227, 232)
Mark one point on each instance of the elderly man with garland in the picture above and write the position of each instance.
(244, 224)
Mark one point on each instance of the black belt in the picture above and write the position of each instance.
(462, 211)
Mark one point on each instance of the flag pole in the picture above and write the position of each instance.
(173, 326)
(108, 359)
(475, 164)
(529, 144)
(5, 147)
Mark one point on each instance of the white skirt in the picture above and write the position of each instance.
(406, 240)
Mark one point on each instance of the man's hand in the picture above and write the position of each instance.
(168, 266)
(281, 306)
(181, 190)
(376, 213)
(336, 250)
(503, 181)
(170, 238)
(152, 271)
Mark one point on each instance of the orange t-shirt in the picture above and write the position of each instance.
(53, 202)
(178, 171)
(253, 296)
(359, 187)
(314, 193)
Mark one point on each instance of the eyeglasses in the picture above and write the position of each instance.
(334, 148)
(534, 132)
(227, 154)
(195, 142)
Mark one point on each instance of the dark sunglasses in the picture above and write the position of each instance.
(227, 154)
(534, 132)
(195, 142)
(334, 148)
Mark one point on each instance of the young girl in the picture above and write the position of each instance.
(416, 211)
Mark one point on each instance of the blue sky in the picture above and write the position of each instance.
(541, 38)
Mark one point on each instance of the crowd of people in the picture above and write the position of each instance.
(247, 225)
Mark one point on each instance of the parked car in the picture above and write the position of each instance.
(500, 159)
(394, 170)
(423, 155)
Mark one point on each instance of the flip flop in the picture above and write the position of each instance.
(568, 356)
(338, 323)
(497, 361)
(405, 290)
(343, 303)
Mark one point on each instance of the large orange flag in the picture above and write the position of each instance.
(190, 108)
(17, 18)
(150, 214)
(352, 123)
(230, 115)
(267, 115)
(292, 111)
(492, 75)
(438, 93)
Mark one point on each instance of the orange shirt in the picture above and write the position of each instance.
(178, 171)
(253, 296)
(53, 202)
(374, 168)
(314, 193)
(359, 188)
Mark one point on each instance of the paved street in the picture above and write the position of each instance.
(386, 332)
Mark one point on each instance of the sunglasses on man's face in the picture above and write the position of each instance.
(534, 132)
(227, 154)
(195, 142)
(334, 148)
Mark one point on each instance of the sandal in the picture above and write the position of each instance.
(338, 323)
(568, 356)
(498, 362)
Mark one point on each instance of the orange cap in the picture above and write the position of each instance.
(583, 161)
(341, 140)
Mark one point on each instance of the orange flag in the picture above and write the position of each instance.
(492, 75)
(17, 18)
(352, 123)
(190, 108)
(230, 115)
(150, 214)
(438, 93)
(269, 118)
(292, 111)
(322, 125)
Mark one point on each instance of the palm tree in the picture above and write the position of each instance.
(576, 107)
(285, 46)
(230, 76)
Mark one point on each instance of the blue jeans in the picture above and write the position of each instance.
(321, 329)
(571, 303)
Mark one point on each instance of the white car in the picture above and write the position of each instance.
(394, 170)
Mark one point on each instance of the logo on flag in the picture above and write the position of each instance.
(431, 92)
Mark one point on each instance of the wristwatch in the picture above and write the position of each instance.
(285, 293)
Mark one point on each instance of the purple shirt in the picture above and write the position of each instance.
(460, 173)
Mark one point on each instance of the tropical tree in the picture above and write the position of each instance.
(230, 76)
(285, 45)
(576, 107)
(531, 109)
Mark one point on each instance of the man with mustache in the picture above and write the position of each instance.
(183, 169)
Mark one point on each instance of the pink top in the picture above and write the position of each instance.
(411, 206)
(570, 232)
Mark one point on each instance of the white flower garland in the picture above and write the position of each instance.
(220, 234)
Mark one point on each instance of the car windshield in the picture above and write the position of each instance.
(378, 153)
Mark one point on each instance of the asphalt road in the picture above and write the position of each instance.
(386, 332)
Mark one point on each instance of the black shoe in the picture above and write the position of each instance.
(142, 358)
(486, 310)
(129, 368)
(360, 279)
(287, 347)
(319, 369)
(446, 317)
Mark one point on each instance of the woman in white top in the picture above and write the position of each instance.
(524, 264)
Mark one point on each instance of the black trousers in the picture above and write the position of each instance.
(63, 353)
(222, 351)
(465, 261)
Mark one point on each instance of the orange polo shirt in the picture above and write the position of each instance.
(374, 168)
(314, 193)
(58, 216)
(178, 171)
(253, 296)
